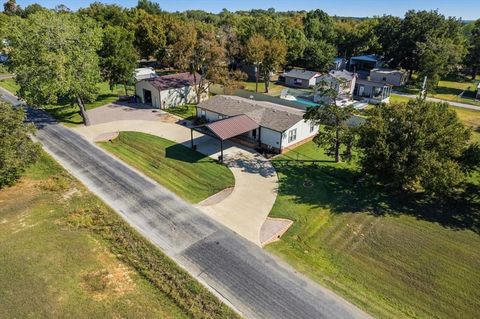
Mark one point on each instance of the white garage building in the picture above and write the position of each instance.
(168, 90)
(279, 127)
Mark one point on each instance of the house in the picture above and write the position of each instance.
(342, 81)
(144, 73)
(388, 76)
(372, 92)
(363, 64)
(478, 91)
(255, 123)
(300, 78)
(168, 90)
(339, 63)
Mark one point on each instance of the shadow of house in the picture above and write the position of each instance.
(342, 190)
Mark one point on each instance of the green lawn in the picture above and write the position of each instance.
(274, 89)
(186, 111)
(9, 85)
(394, 257)
(189, 174)
(65, 254)
(449, 91)
(67, 113)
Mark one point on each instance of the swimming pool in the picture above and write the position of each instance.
(305, 102)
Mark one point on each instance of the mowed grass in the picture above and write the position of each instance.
(65, 254)
(186, 111)
(10, 85)
(188, 173)
(274, 89)
(67, 112)
(395, 257)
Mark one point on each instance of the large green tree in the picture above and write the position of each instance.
(118, 57)
(54, 55)
(334, 132)
(17, 151)
(417, 145)
(473, 56)
(318, 56)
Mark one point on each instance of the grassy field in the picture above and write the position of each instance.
(67, 113)
(450, 91)
(65, 254)
(274, 89)
(392, 256)
(186, 111)
(182, 170)
(9, 85)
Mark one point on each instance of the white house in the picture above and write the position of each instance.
(343, 82)
(278, 128)
(144, 73)
(168, 90)
(388, 76)
(300, 78)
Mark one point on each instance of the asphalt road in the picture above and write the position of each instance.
(239, 272)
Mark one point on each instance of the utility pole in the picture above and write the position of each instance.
(423, 92)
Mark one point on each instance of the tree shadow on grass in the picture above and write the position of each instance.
(185, 154)
(343, 191)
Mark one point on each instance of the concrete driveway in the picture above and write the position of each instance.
(246, 208)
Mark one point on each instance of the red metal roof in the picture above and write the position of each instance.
(232, 126)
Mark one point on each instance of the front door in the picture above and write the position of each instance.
(147, 97)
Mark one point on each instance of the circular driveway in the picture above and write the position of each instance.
(246, 208)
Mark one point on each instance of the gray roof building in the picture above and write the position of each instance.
(270, 115)
(301, 74)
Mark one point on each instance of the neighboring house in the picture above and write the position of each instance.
(278, 128)
(339, 63)
(478, 91)
(388, 76)
(144, 73)
(363, 64)
(168, 90)
(300, 78)
(342, 81)
(372, 92)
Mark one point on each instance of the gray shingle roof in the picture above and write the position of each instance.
(270, 115)
(347, 76)
(301, 74)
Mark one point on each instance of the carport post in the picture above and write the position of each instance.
(191, 138)
(221, 151)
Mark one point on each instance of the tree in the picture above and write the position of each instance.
(117, 56)
(319, 56)
(319, 26)
(17, 151)
(66, 62)
(150, 34)
(108, 14)
(255, 53)
(334, 132)
(473, 56)
(296, 44)
(149, 6)
(417, 145)
(31, 9)
(208, 60)
(274, 57)
(11, 8)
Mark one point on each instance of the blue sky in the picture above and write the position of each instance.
(466, 9)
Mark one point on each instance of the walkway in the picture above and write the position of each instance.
(247, 207)
(432, 99)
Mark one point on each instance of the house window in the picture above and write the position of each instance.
(297, 81)
(292, 135)
(384, 79)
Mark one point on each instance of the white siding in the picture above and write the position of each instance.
(141, 85)
(270, 137)
(303, 132)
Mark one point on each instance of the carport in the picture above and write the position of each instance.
(225, 129)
